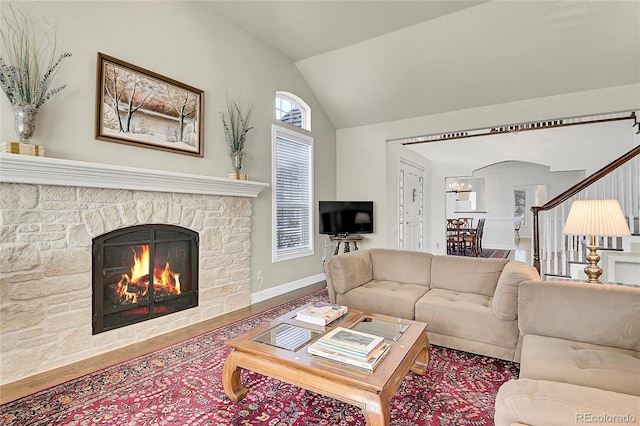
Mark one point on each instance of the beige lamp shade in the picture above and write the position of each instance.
(597, 218)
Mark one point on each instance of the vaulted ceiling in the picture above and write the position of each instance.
(375, 61)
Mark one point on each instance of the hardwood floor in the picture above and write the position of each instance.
(522, 251)
(29, 385)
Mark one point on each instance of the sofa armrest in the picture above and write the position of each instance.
(348, 271)
(540, 402)
(505, 298)
(599, 314)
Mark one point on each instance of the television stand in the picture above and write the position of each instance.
(346, 239)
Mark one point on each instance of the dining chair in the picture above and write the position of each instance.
(473, 240)
(454, 237)
(466, 229)
(466, 223)
(479, 234)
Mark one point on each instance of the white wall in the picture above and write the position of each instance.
(370, 172)
(368, 142)
(500, 180)
(356, 170)
(187, 42)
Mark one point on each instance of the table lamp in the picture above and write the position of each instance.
(596, 218)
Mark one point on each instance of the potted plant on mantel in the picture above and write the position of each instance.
(28, 65)
(235, 120)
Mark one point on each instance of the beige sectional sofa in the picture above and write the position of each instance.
(580, 360)
(469, 303)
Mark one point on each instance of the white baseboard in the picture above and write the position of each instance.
(285, 288)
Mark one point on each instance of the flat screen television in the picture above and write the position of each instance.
(346, 217)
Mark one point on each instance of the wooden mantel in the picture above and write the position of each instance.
(16, 168)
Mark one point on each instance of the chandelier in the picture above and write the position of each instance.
(458, 187)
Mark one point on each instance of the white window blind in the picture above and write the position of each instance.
(293, 194)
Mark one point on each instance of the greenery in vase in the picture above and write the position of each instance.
(235, 120)
(29, 63)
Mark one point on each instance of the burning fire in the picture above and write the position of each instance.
(131, 287)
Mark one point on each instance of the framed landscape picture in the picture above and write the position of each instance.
(135, 106)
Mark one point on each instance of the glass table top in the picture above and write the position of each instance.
(293, 338)
(286, 336)
(390, 330)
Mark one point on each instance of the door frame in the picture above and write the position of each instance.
(402, 162)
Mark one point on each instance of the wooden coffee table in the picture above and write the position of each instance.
(279, 350)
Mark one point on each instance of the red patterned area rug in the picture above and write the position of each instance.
(500, 254)
(181, 385)
(488, 253)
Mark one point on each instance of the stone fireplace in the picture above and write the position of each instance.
(52, 212)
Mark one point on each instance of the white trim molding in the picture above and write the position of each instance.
(17, 168)
(259, 296)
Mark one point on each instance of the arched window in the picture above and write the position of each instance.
(293, 110)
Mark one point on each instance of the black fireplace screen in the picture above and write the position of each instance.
(143, 272)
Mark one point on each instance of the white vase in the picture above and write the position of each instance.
(25, 121)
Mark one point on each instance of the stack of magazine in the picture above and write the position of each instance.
(321, 313)
(350, 347)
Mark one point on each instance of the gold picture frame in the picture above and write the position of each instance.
(135, 106)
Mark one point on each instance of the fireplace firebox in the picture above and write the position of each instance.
(143, 272)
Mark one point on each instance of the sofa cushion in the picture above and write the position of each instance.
(350, 270)
(410, 267)
(466, 274)
(505, 298)
(606, 315)
(584, 364)
(540, 402)
(465, 315)
(384, 297)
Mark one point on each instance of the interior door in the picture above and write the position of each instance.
(411, 202)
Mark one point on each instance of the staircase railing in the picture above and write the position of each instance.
(623, 185)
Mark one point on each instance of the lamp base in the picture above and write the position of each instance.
(592, 270)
